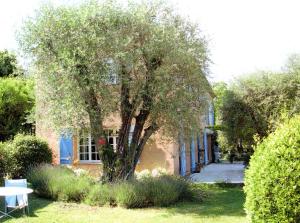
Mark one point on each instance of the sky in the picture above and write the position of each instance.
(244, 36)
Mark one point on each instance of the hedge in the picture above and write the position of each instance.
(272, 182)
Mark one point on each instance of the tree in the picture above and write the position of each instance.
(8, 64)
(254, 105)
(16, 104)
(237, 126)
(141, 61)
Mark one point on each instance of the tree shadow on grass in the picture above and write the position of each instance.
(219, 202)
(35, 204)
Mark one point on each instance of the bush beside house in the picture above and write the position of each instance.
(272, 182)
(59, 183)
(3, 160)
(25, 151)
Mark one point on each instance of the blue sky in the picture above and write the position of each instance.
(244, 35)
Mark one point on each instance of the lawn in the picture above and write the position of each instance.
(222, 204)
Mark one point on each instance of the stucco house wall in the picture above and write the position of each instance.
(159, 152)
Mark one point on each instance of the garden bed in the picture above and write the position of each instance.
(221, 205)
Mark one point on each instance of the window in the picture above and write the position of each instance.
(112, 138)
(87, 149)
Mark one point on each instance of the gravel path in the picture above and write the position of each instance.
(216, 173)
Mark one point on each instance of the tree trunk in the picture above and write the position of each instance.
(139, 139)
(129, 154)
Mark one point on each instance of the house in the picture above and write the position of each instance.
(182, 156)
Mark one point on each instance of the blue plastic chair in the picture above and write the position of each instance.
(18, 201)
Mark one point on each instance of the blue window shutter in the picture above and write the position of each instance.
(199, 148)
(205, 147)
(182, 156)
(66, 149)
(193, 159)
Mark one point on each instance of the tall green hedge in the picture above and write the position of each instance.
(272, 183)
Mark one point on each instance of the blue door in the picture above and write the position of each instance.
(193, 158)
(66, 149)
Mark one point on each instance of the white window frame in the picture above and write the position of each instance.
(88, 136)
(114, 135)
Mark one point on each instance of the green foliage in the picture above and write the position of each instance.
(77, 48)
(26, 151)
(252, 106)
(8, 64)
(101, 194)
(16, 104)
(3, 160)
(145, 192)
(154, 191)
(272, 182)
(131, 194)
(59, 183)
(220, 89)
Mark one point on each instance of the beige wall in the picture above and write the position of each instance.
(52, 139)
(159, 152)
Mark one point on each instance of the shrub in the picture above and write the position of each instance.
(145, 192)
(153, 191)
(100, 194)
(163, 191)
(272, 183)
(6, 160)
(27, 151)
(3, 160)
(131, 194)
(59, 183)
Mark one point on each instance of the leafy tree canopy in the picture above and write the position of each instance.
(16, 104)
(140, 60)
(8, 64)
(253, 105)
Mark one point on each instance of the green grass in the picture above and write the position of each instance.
(223, 204)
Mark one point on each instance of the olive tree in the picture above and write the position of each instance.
(140, 60)
(252, 106)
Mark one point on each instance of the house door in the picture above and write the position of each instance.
(66, 149)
